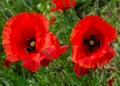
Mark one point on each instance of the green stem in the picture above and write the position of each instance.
(1, 5)
(23, 73)
(58, 67)
(105, 76)
(64, 73)
(109, 7)
(118, 61)
(97, 3)
(66, 18)
(97, 9)
(74, 15)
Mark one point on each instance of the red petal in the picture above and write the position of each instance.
(111, 31)
(49, 41)
(45, 62)
(80, 71)
(54, 53)
(110, 53)
(91, 22)
(31, 65)
(6, 40)
(40, 21)
(63, 4)
(51, 46)
(95, 61)
(75, 53)
(34, 63)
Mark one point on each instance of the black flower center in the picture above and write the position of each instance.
(31, 45)
(92, 43)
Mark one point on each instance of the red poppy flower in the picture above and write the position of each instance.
(91, 39)
(110, 82)
(81, 71)
(24, 36)
(63, 4)
(52, 49)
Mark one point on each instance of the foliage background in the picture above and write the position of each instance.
(60, 72)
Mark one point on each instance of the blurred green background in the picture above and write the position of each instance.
(61, 74)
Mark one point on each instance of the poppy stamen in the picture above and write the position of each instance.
(31, 45)
(92, 42)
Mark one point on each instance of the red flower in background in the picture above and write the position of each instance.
(52, 48)
(81, 71)
(110, 82)
(63, 4)
(25, 36)
(91, 39)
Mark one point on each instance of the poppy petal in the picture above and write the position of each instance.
(63, 4)
(6, 42)
(51, 46)
(94, 61)
(91, 22)
(33, 64)
(80, 71)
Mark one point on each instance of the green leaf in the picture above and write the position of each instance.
(20, 82)
(3, 82)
